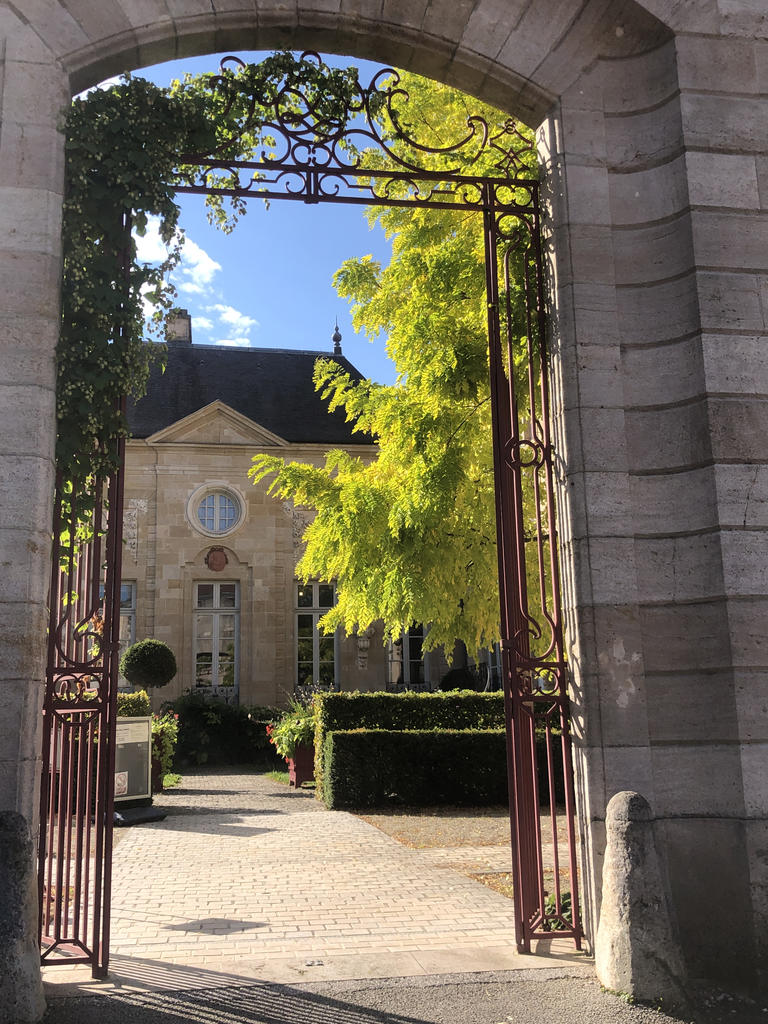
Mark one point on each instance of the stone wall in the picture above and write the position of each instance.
(660, 396)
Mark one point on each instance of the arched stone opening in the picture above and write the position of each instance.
(649, 184)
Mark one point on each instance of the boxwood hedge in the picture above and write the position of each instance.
(373, 767)
(402, 711)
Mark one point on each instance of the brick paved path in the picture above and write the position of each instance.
(246, 878)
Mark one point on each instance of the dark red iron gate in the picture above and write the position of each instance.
(539, 762)
(77, 793)
(312, 158)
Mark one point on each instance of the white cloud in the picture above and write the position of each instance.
(232, 317)
(196, 265)
(150, 248)
(196, 270)
(240, 342)
(190, 288)
(202, 323)
(147, 306)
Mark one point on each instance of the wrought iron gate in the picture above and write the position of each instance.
(315, 158)
(77, 793)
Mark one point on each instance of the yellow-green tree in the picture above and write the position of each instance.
(411, 536)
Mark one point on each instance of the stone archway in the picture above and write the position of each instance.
(650, 144)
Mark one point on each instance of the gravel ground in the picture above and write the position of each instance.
(425, 827)
(519, 997)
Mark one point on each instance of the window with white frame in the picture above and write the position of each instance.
(127, 621)
(127, 634)
(218, 512)
(127, 614)
(408, 667)
(216, 637)
(316, 654)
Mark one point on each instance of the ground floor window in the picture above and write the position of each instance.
(216, 638)
(316, 654)
(127, 635)
(408, 662)
(127, 615)
(490, 668)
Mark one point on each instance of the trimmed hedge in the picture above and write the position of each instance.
(149, 663)
(402, 711)
(134, 705)
(371, 767)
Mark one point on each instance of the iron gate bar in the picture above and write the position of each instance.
(313, 178)
(538, 290)
(535, 689)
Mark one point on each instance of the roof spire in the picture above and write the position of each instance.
(336, 339)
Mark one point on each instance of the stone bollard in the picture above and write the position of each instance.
(636, 953)
(21, 989)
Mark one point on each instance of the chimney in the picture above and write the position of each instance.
(179, 326)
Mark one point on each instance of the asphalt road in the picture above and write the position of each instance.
(519, 997)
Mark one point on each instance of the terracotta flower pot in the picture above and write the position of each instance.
(157, 775)
(301, 767)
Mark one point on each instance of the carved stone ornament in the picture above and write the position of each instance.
(216, 559)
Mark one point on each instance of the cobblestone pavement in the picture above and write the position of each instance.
(247, 879)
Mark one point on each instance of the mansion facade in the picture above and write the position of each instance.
(209, 558)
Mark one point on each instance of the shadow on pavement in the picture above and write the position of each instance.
(215, 925)
(251, 1004)
(183, 810)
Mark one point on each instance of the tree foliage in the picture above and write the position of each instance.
(148, 663)
(411, 536)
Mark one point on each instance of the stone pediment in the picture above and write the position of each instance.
(217, 423)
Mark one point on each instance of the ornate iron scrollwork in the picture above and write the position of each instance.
(350, 145)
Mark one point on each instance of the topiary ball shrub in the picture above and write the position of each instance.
(148, 663)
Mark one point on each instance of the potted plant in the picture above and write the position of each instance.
(293, 736)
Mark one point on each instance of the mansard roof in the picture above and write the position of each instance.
(272, 387)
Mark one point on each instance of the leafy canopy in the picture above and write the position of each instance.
(411, 536)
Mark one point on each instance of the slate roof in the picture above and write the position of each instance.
(272, 387)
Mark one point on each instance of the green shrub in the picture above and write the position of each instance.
(134, 705)
(402, 711)
(295, 726)
(148, 663)
(374, 767)
(214, 732)
(165, 732)
(551, 922)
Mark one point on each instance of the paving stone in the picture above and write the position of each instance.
(244, 872)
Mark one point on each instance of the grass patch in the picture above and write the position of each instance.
(278, 776)
(171, 780)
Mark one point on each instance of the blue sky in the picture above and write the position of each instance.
(268, 283)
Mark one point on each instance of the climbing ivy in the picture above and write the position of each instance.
(124, 157)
